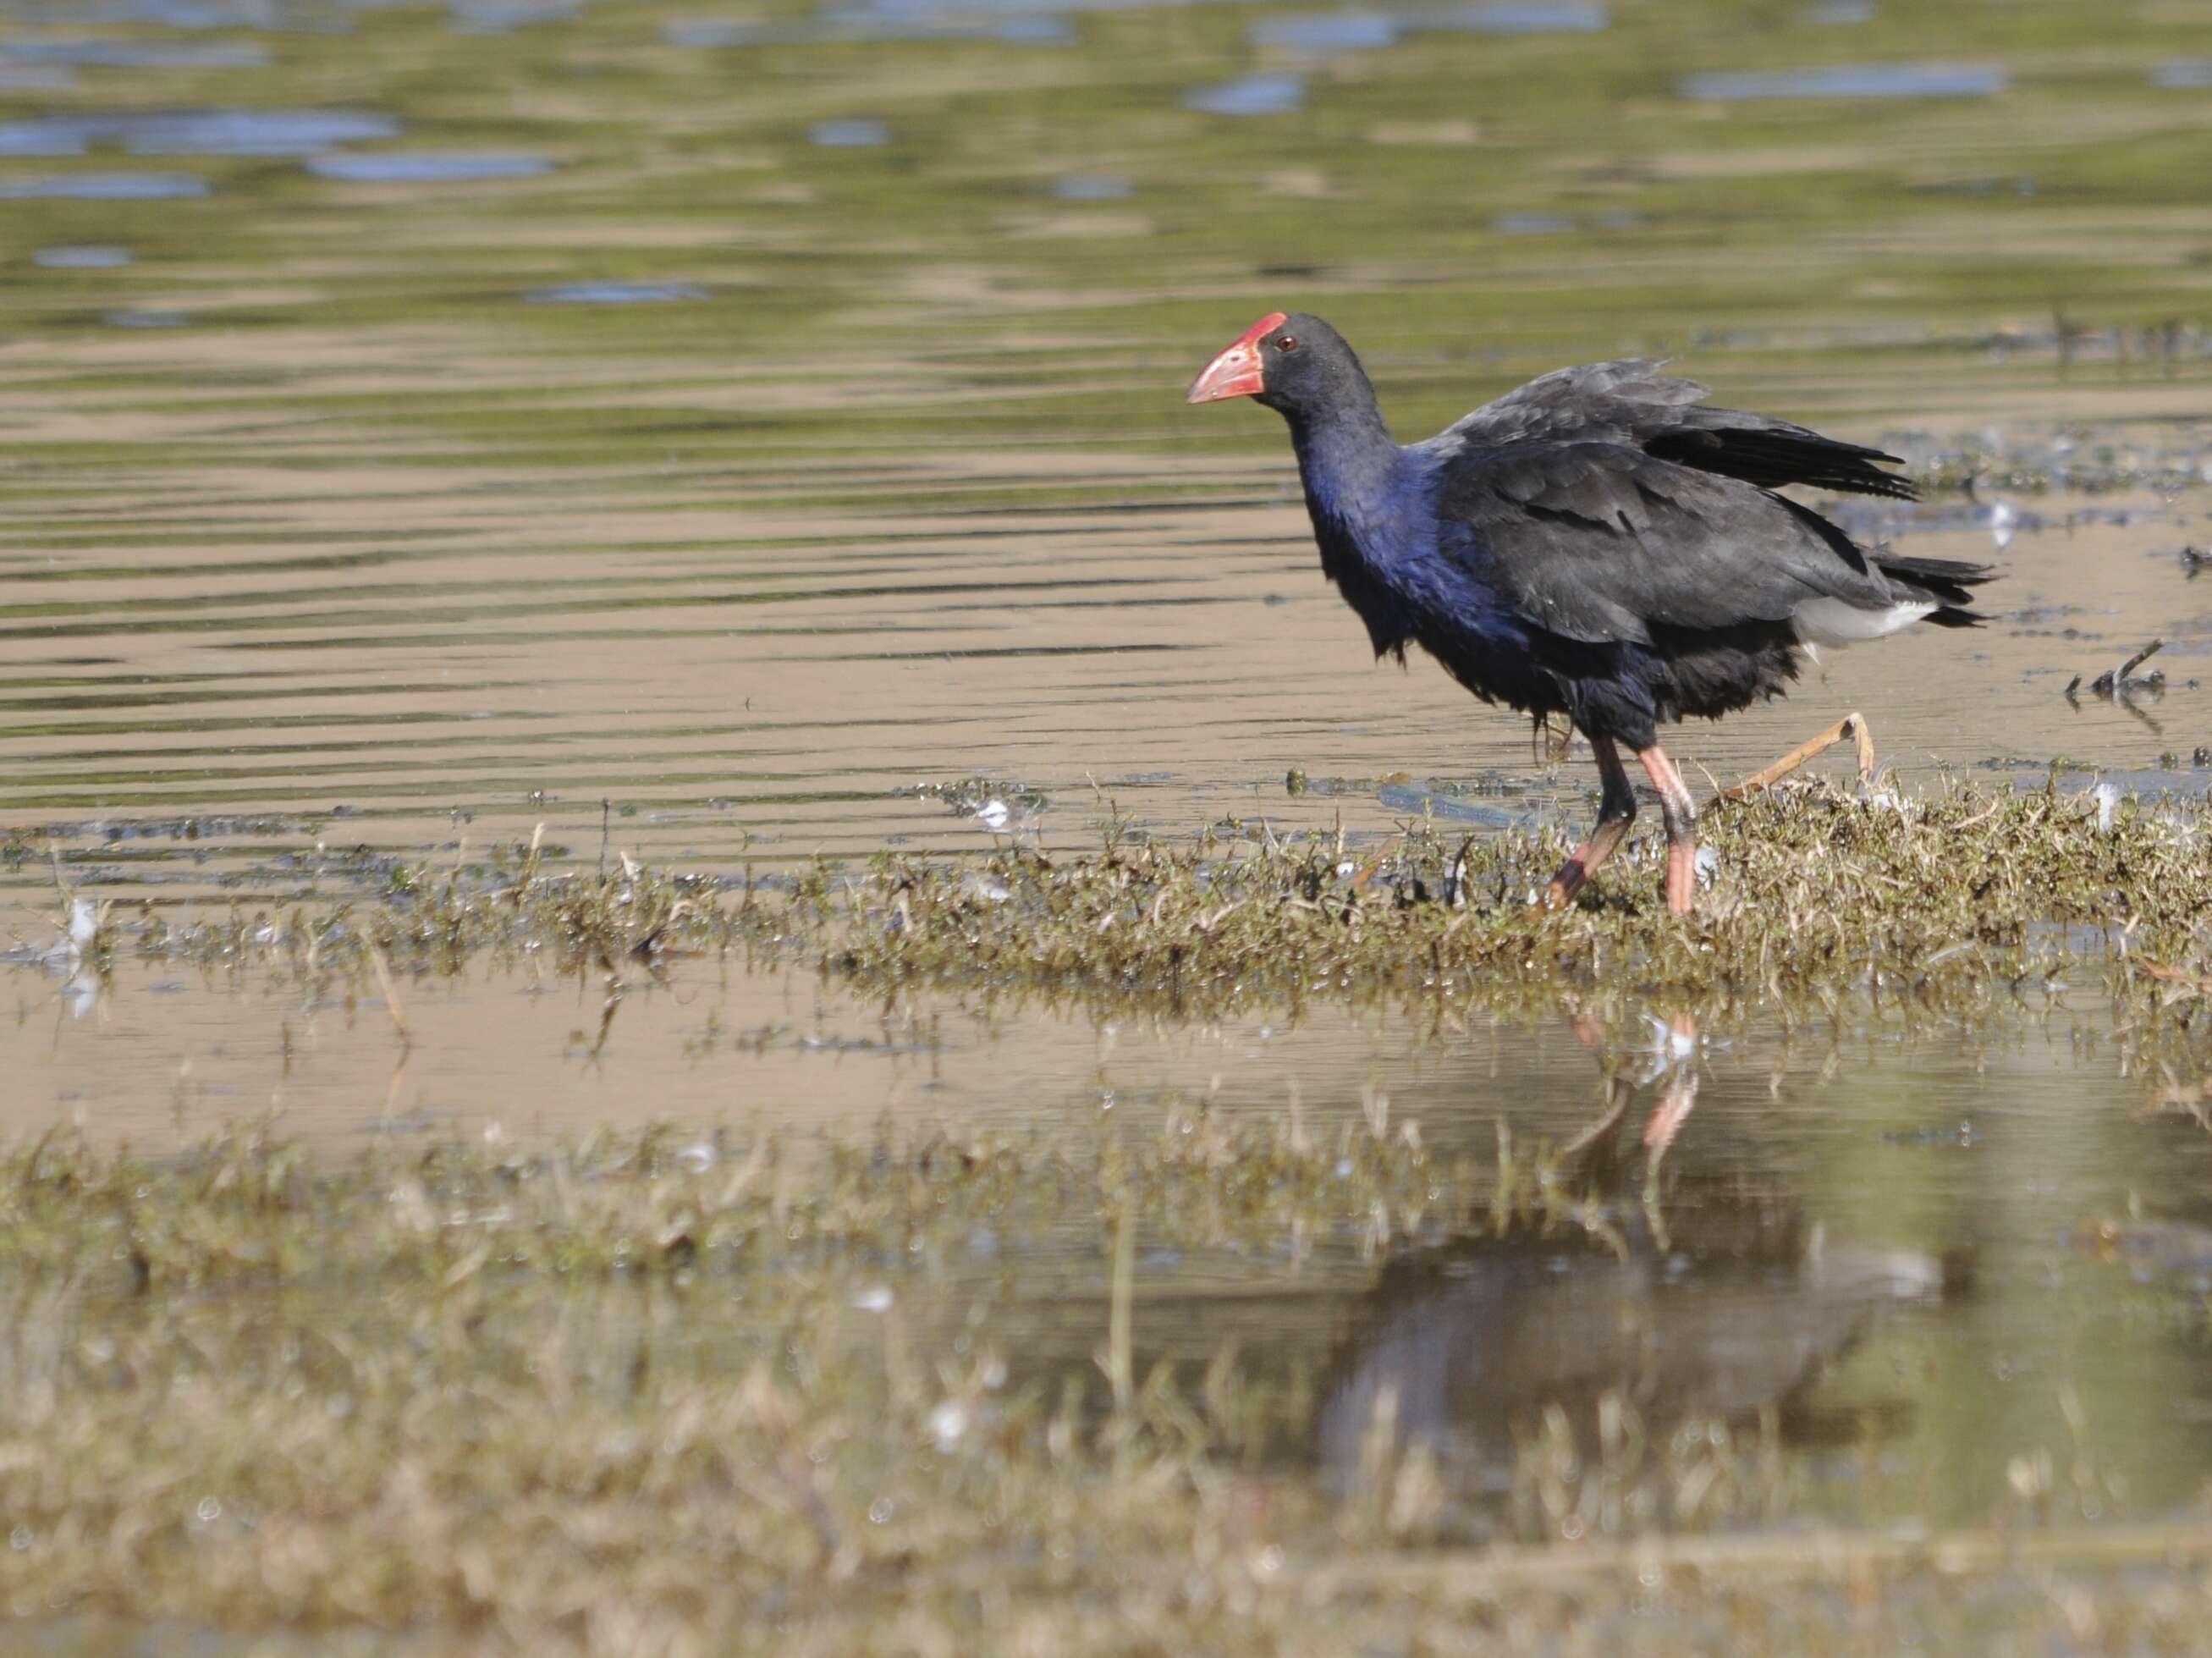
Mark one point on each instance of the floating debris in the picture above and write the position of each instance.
(2122, 681)
(990, 801)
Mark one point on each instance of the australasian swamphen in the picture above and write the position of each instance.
(1596, 544)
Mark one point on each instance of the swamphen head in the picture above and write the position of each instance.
(1294, 363)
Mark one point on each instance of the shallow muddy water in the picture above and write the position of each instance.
(725, 436)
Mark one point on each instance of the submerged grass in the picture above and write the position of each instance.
(652, 1394)
(648, 1394)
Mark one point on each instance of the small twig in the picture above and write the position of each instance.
(392, 1002)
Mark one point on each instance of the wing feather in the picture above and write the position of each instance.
(1602, 542)
(1632, 402)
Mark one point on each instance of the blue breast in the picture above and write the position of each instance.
(1415, 579)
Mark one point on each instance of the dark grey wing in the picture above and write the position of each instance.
(1603, 541)
(1604, 401)
(1632, 402)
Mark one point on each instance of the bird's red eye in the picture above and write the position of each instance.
(1286, 343)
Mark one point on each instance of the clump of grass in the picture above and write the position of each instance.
(1965, 907)
(1817, 889)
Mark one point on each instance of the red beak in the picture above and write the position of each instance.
(1235, 371)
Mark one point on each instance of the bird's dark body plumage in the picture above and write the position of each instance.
(1597, 543)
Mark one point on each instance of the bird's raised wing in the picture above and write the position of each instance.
(1602, 542)
(1631, 401)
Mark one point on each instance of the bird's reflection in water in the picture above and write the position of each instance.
(1696, 1299)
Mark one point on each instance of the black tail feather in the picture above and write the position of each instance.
(1946, 579)
(1771, 458)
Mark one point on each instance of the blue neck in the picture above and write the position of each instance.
(1351, 469)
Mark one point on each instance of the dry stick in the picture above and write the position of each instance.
(1851, 724)
(392, 1002)
(1121, 1367)
(399, 1076)
(2112, 683)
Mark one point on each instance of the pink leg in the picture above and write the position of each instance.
(1680, 1094)
(1616, 811)
(1680, 812)
(1851, 724)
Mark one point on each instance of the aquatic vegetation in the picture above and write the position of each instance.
(1818, 886)
(385, 1389)
(1964, 907)
(664, 1393)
